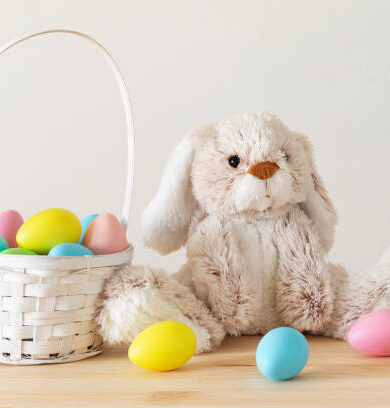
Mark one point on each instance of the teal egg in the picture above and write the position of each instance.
(85, 222)
(3, 244)
(70, 249)
(282, 353)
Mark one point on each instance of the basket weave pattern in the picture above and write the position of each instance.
(47, 315)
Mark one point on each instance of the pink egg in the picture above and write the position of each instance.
(371, 334)
(105, 235)
(10, 222)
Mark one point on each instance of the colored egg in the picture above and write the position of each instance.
(18, 251)
(3, 244)
(371, 334)
(282, 353)
(85, 222)
(48, 228)
(164, 346)
(105, 235)
(10, 222)
(70, 249)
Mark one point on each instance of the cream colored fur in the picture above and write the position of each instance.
(257, 249)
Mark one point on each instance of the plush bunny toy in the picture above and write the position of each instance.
(245, 198)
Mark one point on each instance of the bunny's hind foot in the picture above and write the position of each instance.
(357, 295)
(137, 297)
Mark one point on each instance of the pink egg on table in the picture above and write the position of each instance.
(371, 334)
(105, 235)
(10, 222)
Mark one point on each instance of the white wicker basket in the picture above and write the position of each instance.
(48, 303)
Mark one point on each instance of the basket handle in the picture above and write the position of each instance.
(126, 105)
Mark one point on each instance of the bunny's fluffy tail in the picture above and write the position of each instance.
(355, 296)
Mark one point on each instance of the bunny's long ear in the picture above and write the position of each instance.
(166, 220)
(318, 205)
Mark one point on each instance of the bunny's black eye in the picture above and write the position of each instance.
(285, 156)
(234, 161)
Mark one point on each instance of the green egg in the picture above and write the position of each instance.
(18, 251)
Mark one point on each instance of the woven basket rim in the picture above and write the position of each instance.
(65, 262)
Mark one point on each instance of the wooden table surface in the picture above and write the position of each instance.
(335, 375)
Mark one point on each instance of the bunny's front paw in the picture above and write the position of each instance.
(304, 307)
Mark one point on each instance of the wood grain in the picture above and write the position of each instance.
(336, 375)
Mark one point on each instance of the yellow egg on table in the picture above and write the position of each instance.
(163, 346)
(48, 228)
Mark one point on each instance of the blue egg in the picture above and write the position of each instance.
(70, 249)
(3, 244)
(85, 223)
(282, 353)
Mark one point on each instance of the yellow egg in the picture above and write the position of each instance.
(163, 346)
(48, 228)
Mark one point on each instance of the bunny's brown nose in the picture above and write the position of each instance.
(263, 170)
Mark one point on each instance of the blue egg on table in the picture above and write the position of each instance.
(282, 353)
(3, 244)
(70, 249)
(85, 223)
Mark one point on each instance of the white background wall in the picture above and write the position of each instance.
(323, 66)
